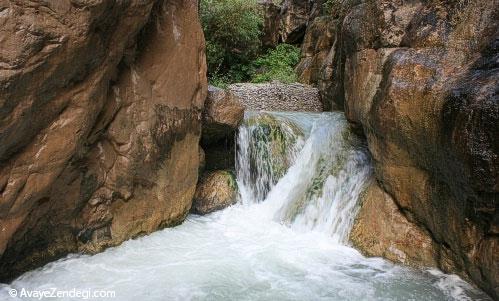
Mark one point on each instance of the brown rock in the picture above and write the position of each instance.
(287, 22)
(99, 124)
(380, 229)
(419, 79)
(295, 15)
(271, 24)
(222, 115)
(319, 39)
(216, 190)
(409, 110)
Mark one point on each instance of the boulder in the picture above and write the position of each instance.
(223, 112)
(382, 230)
(100, 118)
(216, 190)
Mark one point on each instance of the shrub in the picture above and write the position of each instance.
(232, 29)
(277, 64)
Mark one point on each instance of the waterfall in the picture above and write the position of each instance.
(300, 176)
(308, 169)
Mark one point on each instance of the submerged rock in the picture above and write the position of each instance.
(216, 190)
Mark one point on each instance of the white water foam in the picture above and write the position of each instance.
(328, 171)
(263, 248)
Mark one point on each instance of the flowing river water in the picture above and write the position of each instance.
(300, 176)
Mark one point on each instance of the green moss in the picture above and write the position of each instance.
(231, 180)
(274, 141)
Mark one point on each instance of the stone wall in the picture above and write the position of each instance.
(276, 96)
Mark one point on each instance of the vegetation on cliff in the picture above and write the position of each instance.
(277, 64)
(234, 52)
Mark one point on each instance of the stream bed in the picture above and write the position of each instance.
(300, 177)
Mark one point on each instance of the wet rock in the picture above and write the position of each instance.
(276, 96)
(216, 190)
(100, 115)
(381, 230)
(222, 114)
(419, 80)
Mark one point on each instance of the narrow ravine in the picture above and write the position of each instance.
(300, 177)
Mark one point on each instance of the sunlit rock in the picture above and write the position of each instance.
(216, 190)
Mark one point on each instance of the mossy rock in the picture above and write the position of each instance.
(216, 190)
(275, 141)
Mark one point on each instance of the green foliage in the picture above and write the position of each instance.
(277, 64)
(233, 48)
(232, 29)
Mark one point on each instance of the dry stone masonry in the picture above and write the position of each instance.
(277, 96)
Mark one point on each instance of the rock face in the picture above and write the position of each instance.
(271, 24)
(382, 230)
(419, 79)
(222, 114)
(277, 97)
(216, 190)
(100, 114)
(319, 39)
(287, 22)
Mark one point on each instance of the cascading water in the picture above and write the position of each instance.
(310, 168)
(300, 176)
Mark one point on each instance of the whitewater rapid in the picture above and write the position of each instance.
(300, 176)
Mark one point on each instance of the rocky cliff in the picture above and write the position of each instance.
(100, 119)
(419, 79)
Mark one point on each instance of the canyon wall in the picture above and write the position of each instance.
(420, 80)
(100, 119)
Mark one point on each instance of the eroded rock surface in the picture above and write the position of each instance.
(419, 79)
(382, 230)
(222, 114)
(216, 190)
(100, 114)
(287, 21)
(319, 38)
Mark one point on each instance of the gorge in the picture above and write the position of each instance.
(107, 135)
(264, 247)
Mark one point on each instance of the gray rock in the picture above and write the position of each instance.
(277, 96)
